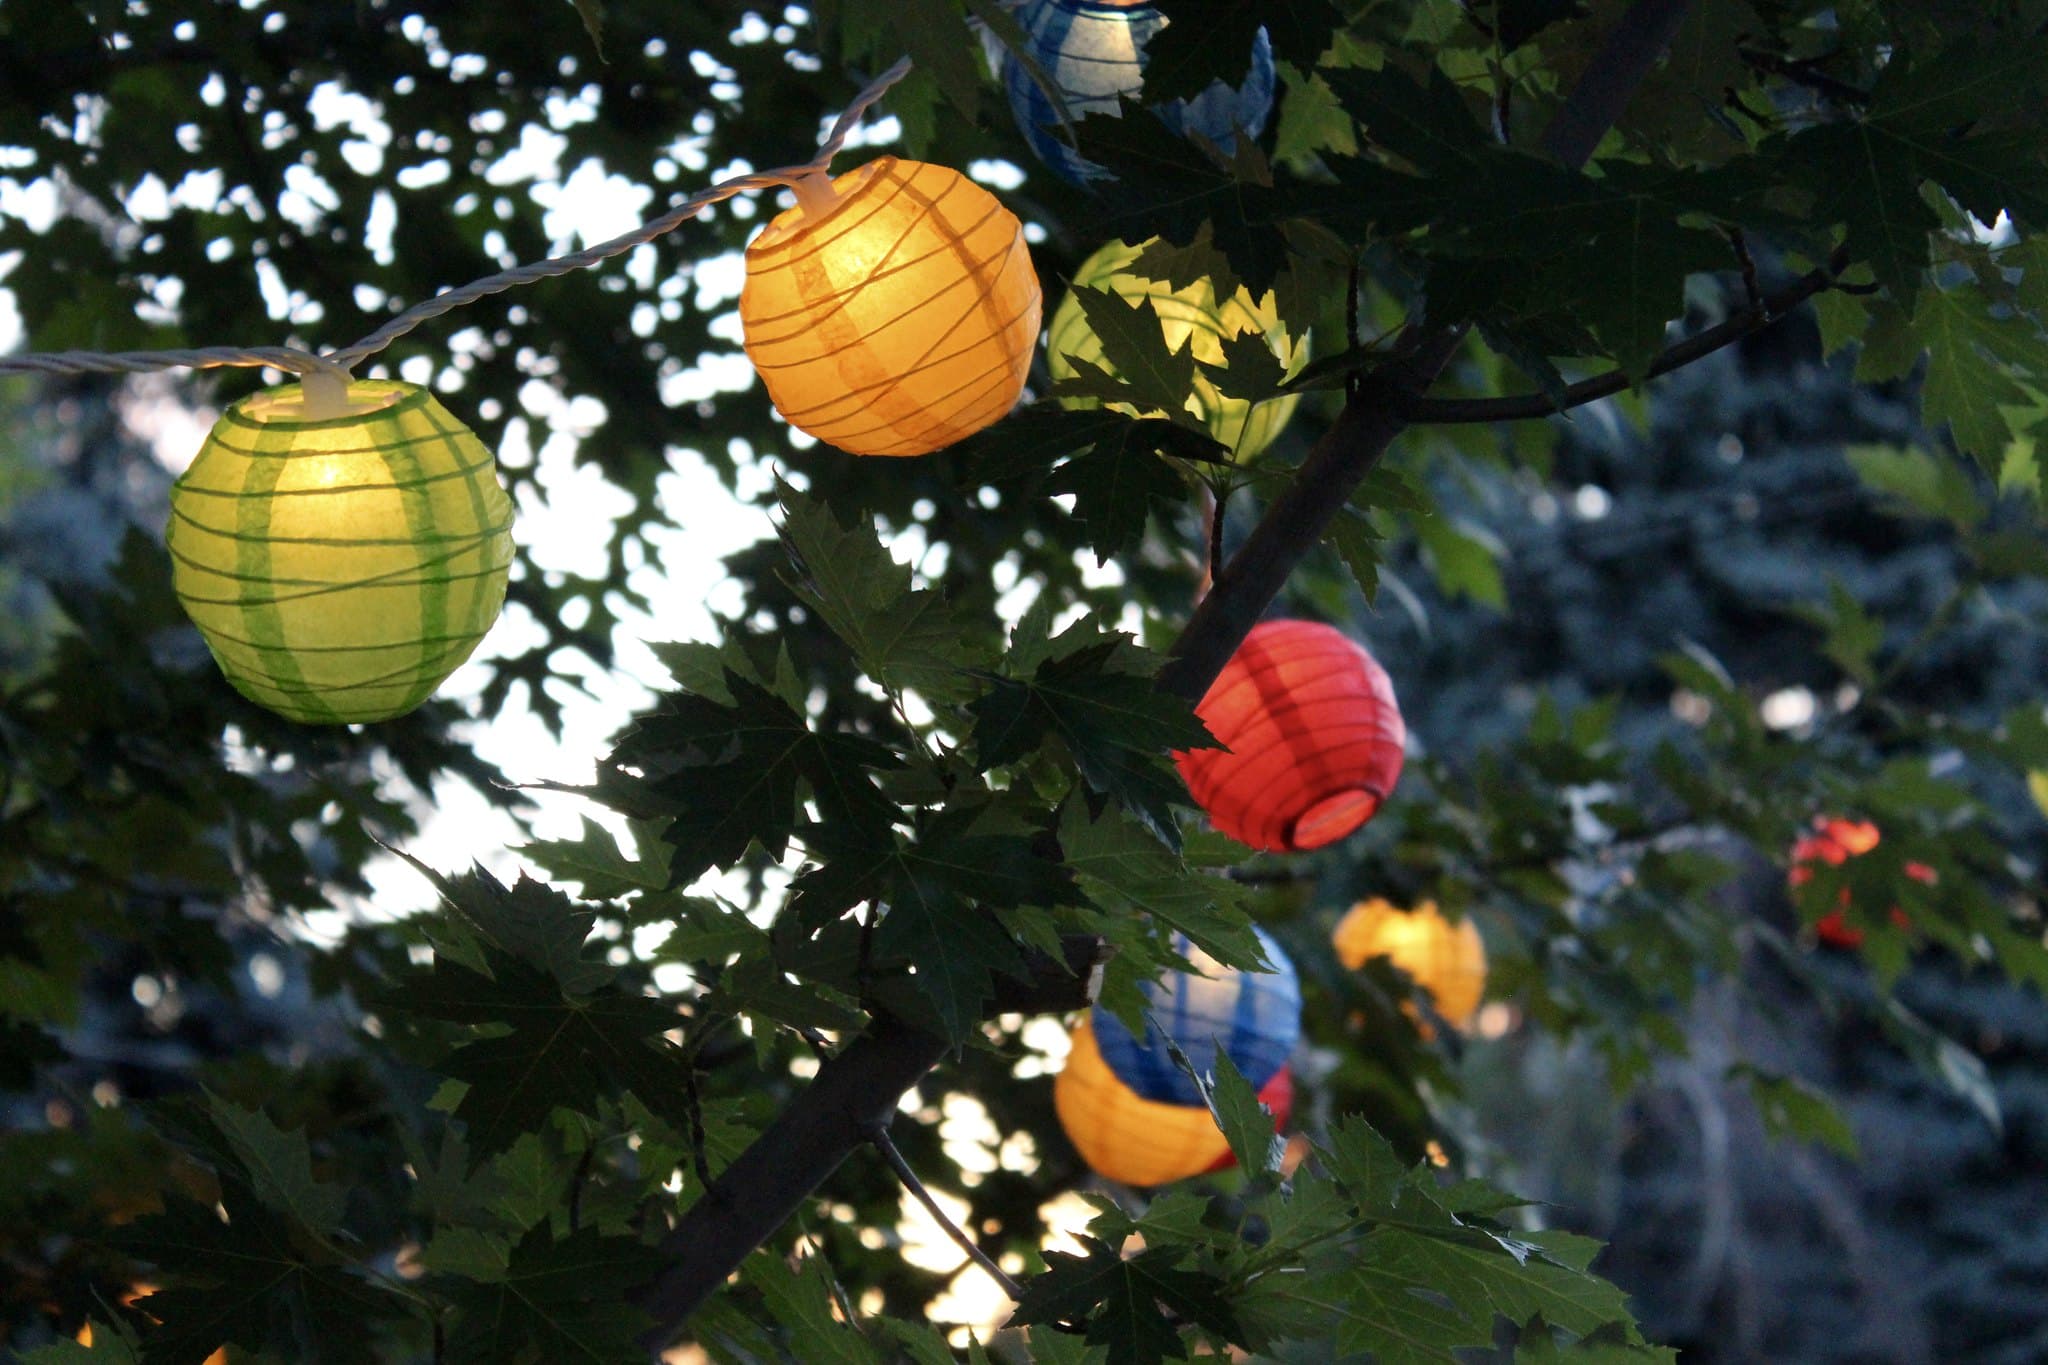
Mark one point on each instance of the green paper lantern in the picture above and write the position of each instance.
(1189, 316)
(342, 550)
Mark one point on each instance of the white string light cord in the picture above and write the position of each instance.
(333, 368)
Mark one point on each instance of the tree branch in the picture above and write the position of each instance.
(859, 1088)
(1521, 407)
(1374, 414)
(853, 1092)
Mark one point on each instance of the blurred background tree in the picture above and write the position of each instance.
(1639, 649)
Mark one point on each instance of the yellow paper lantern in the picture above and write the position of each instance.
(1447, 960)
(893, 311)
(1123, 1136)
(341, 549)
(1191, 316)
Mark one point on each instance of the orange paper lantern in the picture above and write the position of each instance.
(1137, 1141)
(1834, 841)
(1313, 739)
(1447, 960)
(893, 311)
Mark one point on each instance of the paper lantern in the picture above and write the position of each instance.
(341, 549)
(1189, 317)
(1125, 1137)
(1313, 739)
(1835, 841)
(1446, 960)
(1093, 52)
(893, 311)
(1254, 1018)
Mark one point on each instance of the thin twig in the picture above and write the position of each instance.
(878, 1134)
(1525, 406)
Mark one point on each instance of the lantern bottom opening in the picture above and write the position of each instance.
(1333, 817)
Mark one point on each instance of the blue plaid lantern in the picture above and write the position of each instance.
(1094, 51)
(1254, 1018)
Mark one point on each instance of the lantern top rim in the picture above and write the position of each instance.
(793, 224)
(284, 407)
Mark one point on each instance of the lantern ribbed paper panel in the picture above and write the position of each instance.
(1093, 52)
(896, 315)
(1252, 1017)
(1189, 317)
(1125, 1137)
(1313, 733)
(1834, 842)
(340, 567)
(1447, 960)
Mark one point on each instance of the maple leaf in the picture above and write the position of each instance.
(556, 1049)
(732, 774)
(903, 638)
(1211, 40)
(252, 1278)
(1116, 725)
(556, 1301)
(1125, 1301)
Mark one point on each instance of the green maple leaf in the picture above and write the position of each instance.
(732, 774)
(1211, 40)
(903, 638)
(253, 1279)
(554, 1050)
(1871, 185)
(1428, 125)
(1517, 21)
(1926, 120)
(1134, 343)
(1249, 369)
(1246, 1124)
(1973, 355)
(1127, 871)
(556, 1302)
(801, 1301)
(939, 891)
(279, 1166)
(595, 859)
(1125, 1301)
(1112, 467)
(1168, 187)
(529, 920)
(1116, 725)
(1118, 478)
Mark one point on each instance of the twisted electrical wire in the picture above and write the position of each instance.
(339, 363)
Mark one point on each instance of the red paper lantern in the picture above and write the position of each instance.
(1834, 842)
(1312, 736)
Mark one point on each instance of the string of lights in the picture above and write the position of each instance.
(338, 364)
